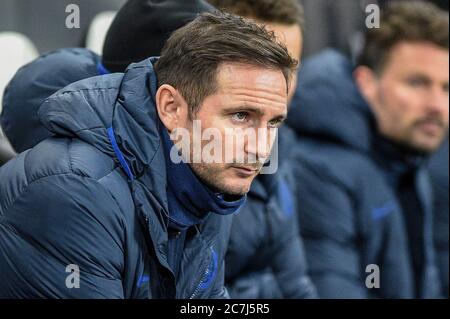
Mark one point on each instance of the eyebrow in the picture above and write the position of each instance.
(251, 109)
(426, 78)
(419, 76)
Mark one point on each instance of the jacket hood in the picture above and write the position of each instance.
(33, 84)
(110, 112)
(142, 27)
(328, 104)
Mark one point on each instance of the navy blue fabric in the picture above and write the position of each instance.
(101, 69)
(35, 82)
(438, 167)
(71, 200)
(175, 248)
(351, 214)
(265, 257)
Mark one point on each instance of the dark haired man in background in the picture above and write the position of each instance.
(364, 136)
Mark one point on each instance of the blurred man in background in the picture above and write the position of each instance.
(265, 257)
(364, 135)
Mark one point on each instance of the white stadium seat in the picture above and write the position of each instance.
(97, 31)
(17, 50)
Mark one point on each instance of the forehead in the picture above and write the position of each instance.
(242, 85)
(234, 76)
(289, 35)
(418, 57)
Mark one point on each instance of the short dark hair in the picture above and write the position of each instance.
(270, 11)
(191, 57)
(411, 21)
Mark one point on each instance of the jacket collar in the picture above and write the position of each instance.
(397, 160)
(191, 201)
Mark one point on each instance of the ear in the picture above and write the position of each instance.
(367, 82)
(171, 106)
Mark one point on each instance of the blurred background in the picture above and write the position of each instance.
(329, 23)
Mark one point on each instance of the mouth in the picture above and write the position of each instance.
(431, 128)
(245, 171)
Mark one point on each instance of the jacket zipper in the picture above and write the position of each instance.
(205, 275)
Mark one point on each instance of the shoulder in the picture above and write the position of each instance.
(337, 164)
(71, 162)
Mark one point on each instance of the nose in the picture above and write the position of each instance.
(260, 147)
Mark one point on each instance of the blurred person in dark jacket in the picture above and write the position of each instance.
(265, 257)
(364, 136)
(438, 167)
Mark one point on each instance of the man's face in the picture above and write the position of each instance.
(248, 98)
(410, 96)
(291, 37)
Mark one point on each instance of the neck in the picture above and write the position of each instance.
(190, 200)
(398, 159)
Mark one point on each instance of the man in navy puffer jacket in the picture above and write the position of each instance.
(102, 197)
(69, 65)
(364, 134)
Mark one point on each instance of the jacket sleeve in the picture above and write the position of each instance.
(260, 284)
(62, 238)
(328, 227)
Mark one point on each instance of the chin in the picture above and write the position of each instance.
(428, 144)
(227, 186)
(223, 181)
(429, 148)
(236, 190)
(236, 187)
(425, 147)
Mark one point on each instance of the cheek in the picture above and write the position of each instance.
(402, 104)
(445, 109)
(446, 116)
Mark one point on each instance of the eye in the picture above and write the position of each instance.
(417, 82)
(240, 116)
(275, 123)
